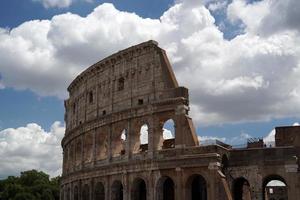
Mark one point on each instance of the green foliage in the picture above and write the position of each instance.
(31, 185)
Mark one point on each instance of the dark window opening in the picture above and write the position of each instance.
(139, 191)
(86, 193)
(199, 191)
(99, 191)
(117, 191)
(168, 190)
(121, 84)
(241, 189)
(91, 97)
(140, 102)
(104, 112)
(76, 193)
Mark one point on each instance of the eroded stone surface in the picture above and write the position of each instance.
(105, 159)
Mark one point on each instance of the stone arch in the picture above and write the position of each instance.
(241, 189)
(119, 143)
(76, 193)
(168, 134)
(101, 143)
(144, 137)
(86, 192)
(280, 182)
(99, 191)
(165, 188)
(78, 152)
(140, 135)
(196, 188)
(88, 147)
(117, 190)
(139, 189)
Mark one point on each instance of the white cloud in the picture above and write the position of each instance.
(249, 78)
(269, 140)
(167, 134)
(31, 147)
(59, 3)
(55, 3)
(208, 140)
(217, 5)
(296, 124)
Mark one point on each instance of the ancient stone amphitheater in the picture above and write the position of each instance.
(117, 144)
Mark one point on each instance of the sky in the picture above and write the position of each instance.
(240, 60)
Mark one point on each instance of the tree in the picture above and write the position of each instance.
(31, 185)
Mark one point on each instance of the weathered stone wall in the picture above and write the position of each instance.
(103, 157)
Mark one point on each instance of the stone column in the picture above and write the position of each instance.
(151, 135)
(82, 152)
(128, 139)
(179, 187)
(94, 147)
(125, 186)
(109, 143)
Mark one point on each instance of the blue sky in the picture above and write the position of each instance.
(244, 62)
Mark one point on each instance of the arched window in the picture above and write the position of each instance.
(124, 135)
(86, 192)
(117, 191)
(144, 137)
(76, 197)
(119, 143)
(196, 188)
(165, 189)
(139, 190)
(88, 147)
(274, 186)
(241, 189)
(168, 134)
(99, 191)
(123, 141)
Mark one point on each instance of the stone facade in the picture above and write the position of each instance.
(104, 157)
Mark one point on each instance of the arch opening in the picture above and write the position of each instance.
(119, 144)
(86, 192)
(274, 187)
(117, 191)
(168, 134)
(139, 190)
(99, 191)
(166, 189)
(241, 189)
(76, 197)
(144, 137)
(197, 188)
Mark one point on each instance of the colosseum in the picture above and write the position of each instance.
(129, 137)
